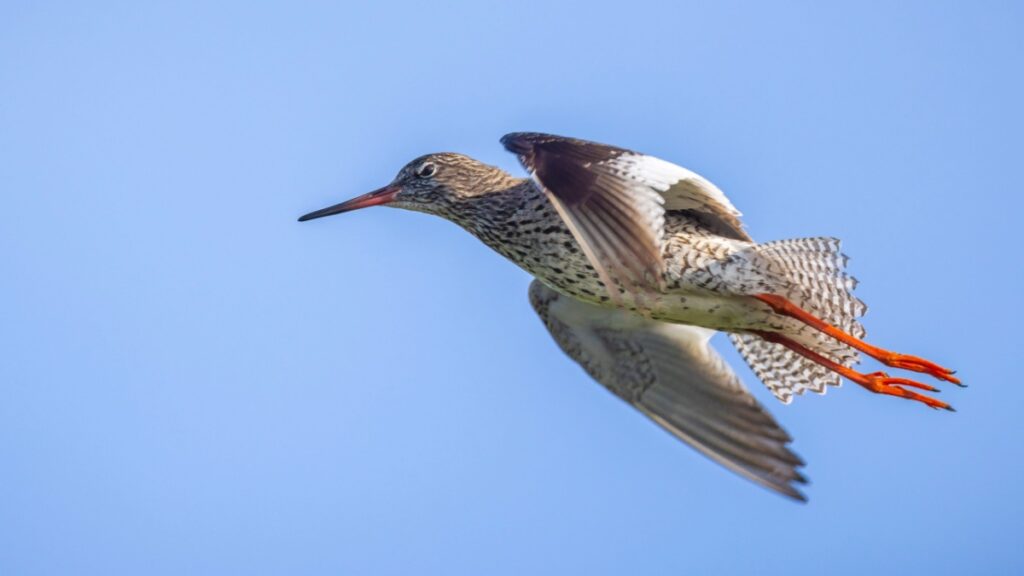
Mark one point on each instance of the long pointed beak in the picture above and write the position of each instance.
(376, 198)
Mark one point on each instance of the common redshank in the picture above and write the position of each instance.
(637, 262)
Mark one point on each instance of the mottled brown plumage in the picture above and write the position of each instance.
(637, 262)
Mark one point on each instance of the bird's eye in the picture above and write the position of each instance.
(426, 170)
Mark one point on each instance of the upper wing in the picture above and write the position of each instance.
(670, 373)
(614, 202)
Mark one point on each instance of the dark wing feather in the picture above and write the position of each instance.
(614, 202)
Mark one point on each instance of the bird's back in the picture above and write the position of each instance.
(523, 226)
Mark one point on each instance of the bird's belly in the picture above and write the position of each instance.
(572, 275)
(713, 310)
(695, 306)
(699, 291)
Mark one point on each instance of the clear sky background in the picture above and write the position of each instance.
(191, 382)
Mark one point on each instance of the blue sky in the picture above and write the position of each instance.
(194, 383)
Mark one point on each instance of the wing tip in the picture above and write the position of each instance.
(519, 142)
(785, 486)
(796, 495)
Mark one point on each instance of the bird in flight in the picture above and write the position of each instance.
(637, 262)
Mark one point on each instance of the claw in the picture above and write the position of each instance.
(915, 364)
(904, 382)
(882, 383)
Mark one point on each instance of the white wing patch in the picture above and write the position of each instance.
(682, 189)
(614, 201)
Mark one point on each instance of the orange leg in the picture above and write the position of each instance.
(878, 382)
(905, 361)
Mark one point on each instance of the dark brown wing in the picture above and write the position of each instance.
(614, 202)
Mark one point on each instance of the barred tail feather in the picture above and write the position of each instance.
(815, 276)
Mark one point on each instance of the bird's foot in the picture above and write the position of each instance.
(882, 383)
(893, 359)
(915, 364)
(878, 382)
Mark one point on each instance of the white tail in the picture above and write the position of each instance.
(815, 269)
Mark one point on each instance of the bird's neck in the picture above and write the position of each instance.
(521, 224)
(504, 217)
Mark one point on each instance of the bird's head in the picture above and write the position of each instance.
(439, 184)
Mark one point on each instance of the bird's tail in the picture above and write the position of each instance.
(816, 280)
